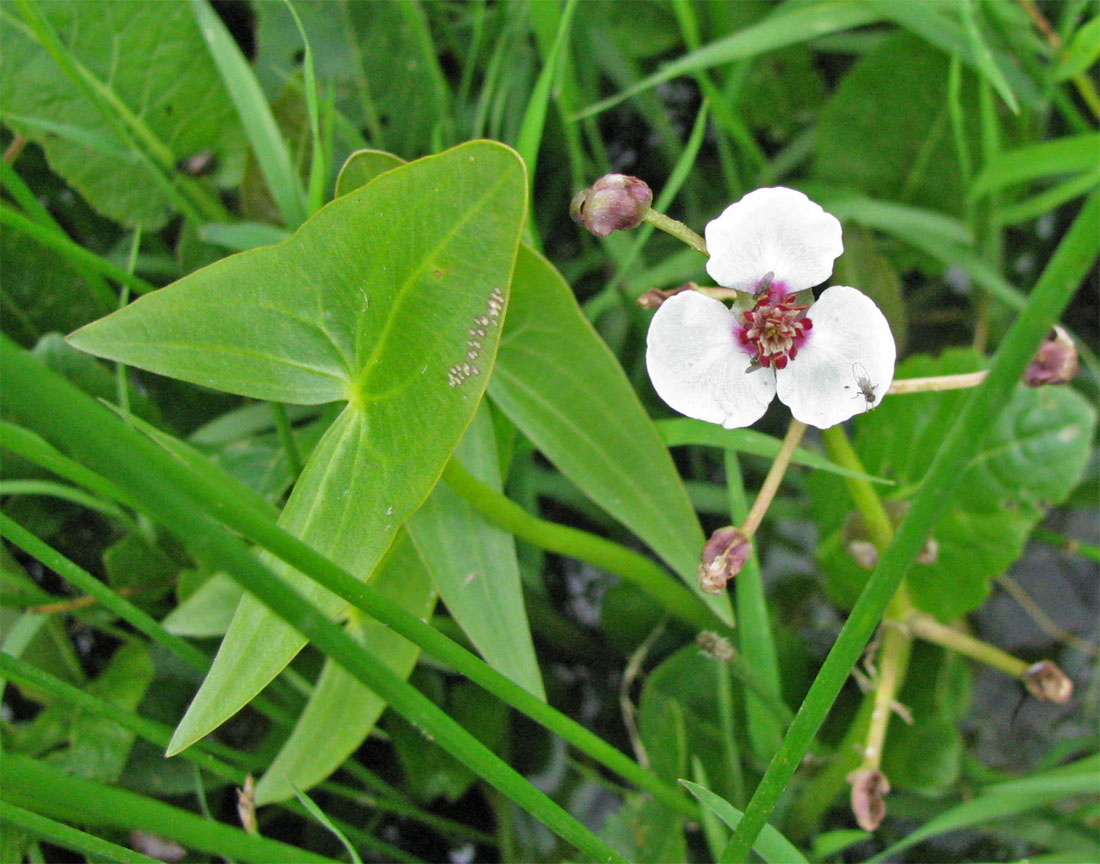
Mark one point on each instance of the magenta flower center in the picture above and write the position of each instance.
(775, 328)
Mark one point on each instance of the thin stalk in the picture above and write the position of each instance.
(928, 628)
(729, 734)
(893, 660)
(1051, 294)
(602, 553)
(286, 439)
(677, 229)
(774, 478)
(937, 383)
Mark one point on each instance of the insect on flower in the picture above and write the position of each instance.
(863, 385)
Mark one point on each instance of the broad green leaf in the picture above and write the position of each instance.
(1029, 460)
(885, 130)
(1081, 52)
(865, 267)
(391, 297)
(772, 846)
(152, 59)
(473, 564)
(559, 383)
(208, 611)
(361, 167)
(341, 711)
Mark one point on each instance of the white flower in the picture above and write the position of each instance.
(827, 361)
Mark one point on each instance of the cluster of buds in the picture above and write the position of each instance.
(615, 202)
(724, 554)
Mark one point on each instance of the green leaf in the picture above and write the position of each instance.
(362, 166)
(646, 832)
(176, 102)
(1030, 459)
(865, 267)
(885, 130)
(341, 711)
(983, 57)
(378, 58)
(388, 296)
(208, 611)
(473, 564)
(255, 115)
(772, 846)
(559, 383)
(1047, 159)
(1081, 52)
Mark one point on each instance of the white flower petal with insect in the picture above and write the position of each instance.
(827, 361)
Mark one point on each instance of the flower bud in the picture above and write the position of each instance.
(654, 297)
(715, 647)
(724, 554)
(863, 552)
(869, 789)
(614, 202)
(246, 805)
(1044, 680)
(1055, 362)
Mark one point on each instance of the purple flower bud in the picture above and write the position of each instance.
(1044, 680)
(869, 789)
(612, 203)
(1055, 362)
(724, 554)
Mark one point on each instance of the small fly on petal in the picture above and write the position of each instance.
(863, 385)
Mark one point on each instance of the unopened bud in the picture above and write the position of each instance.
(869, 789)
(246, 806)
(715, 647)
(612, 203)
(1055, 362)
(654, 297)
(724, 554)
(1044, 680)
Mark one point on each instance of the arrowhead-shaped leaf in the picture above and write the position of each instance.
(390, 297)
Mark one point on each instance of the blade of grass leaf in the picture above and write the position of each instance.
(986, 62)
(73, 839)
(1068, 155)
(772, 846)
(1048, 200)
(155, 479)
(1052, 292)
(755, 640)
(78, 256)
(263, 133)
(318, 165)
(783, 27)
(31, 783)
(319, 814)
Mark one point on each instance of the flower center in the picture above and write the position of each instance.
(775, 328)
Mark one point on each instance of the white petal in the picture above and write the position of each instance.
(697, 366)
(850, 353)
(774, 230)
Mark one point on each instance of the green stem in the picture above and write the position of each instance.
(937, 383)
(774, 478)
(867, 501)
(597, 551)
(1070, 262)
(893, 661)
(677, 229)
(931, 630)
(286, 438)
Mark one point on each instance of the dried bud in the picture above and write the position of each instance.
(246, 806)
(715, 647)
(724, 554)
(1044, 680)
(654, 297)
(1055, 362)
(929, 552)
(869, 788)
(863, 552)
(612, 203)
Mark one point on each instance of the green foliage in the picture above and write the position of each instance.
(377, 328)
(1026, 462)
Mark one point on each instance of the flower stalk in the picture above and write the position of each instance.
(677, 229)
(775, 476)
(937, 383)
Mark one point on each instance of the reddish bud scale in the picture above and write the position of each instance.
(775, 328)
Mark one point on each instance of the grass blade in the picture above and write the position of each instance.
(62, 835)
